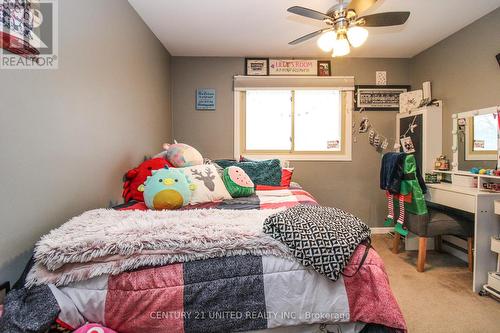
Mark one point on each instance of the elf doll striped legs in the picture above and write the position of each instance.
(401, 219)
(390, 206)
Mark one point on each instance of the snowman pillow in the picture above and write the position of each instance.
(208, 185)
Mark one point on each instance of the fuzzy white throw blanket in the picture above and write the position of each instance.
(105, 241)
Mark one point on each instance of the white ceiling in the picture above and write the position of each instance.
(264, 27)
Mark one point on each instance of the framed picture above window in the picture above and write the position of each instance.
(324, 68)
(256, 66)
(378, 98)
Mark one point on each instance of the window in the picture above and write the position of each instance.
(301, 124)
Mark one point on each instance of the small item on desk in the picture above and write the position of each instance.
(442, 163)
(489, 172)
(431, 178)
(474, 170)
(491, 186)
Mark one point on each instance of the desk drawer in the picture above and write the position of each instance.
(452, 199)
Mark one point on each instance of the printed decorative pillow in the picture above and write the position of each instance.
(209, 186)
(260, 172)
(237, 182)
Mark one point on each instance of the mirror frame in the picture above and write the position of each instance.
(469, 114)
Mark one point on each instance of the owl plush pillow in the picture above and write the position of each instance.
(167, 189)
(208, 185)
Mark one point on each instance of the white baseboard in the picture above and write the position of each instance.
(381, 230)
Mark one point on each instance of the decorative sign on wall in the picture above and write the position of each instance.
(324, 68)
(410, 100)
(378, 98)
(293, 67)
(256, 66)
(205, 99)
(380, 78)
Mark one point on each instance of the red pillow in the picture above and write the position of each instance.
(286, 176)
(136, 177)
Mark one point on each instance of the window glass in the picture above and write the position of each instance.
(485, 133)
(268, 120)
(318, 123)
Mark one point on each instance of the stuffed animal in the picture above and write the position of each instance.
(135, 178)
(181, 155)
(167, 189)
(237, 182)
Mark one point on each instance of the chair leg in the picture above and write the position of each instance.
(422, 251)
(470, 255)
(437, 243)
(395, 243)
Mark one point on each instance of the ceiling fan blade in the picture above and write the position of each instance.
(385, 19)
(302, 11)
(361, 5)
(306, 37)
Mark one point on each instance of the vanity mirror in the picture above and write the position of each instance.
(475, 139)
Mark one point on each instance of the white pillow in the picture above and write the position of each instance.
(209, 186)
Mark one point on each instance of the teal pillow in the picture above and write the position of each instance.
(266, 172)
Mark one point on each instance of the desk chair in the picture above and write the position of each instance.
(438, 222)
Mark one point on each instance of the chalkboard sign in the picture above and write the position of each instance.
(205, 99)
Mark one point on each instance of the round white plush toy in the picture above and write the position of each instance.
(182, 155)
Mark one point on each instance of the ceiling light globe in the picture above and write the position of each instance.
(327, 40)
(357, 36)
(341, 47)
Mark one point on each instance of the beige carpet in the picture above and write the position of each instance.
(441, 298)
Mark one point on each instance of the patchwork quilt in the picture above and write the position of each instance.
(231, 294)
(234, 293)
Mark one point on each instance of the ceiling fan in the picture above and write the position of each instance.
(345, 26)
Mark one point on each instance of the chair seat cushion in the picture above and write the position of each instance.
(441, 221)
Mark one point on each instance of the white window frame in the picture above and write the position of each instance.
(346, 155)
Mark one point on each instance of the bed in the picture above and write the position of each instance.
(238, 292)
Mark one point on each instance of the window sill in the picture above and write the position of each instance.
(299, 157)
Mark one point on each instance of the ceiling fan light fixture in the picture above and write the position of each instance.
(327, 41)
(341, 46)
(357, 36)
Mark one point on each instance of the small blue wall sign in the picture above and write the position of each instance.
(205, 99)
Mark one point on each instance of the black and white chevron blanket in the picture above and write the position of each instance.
(319, 237)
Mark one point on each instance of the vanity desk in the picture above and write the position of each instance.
(476, 140)
(486, 222)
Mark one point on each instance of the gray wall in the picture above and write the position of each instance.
(353, 186)
(463, 70)
(68, 135)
